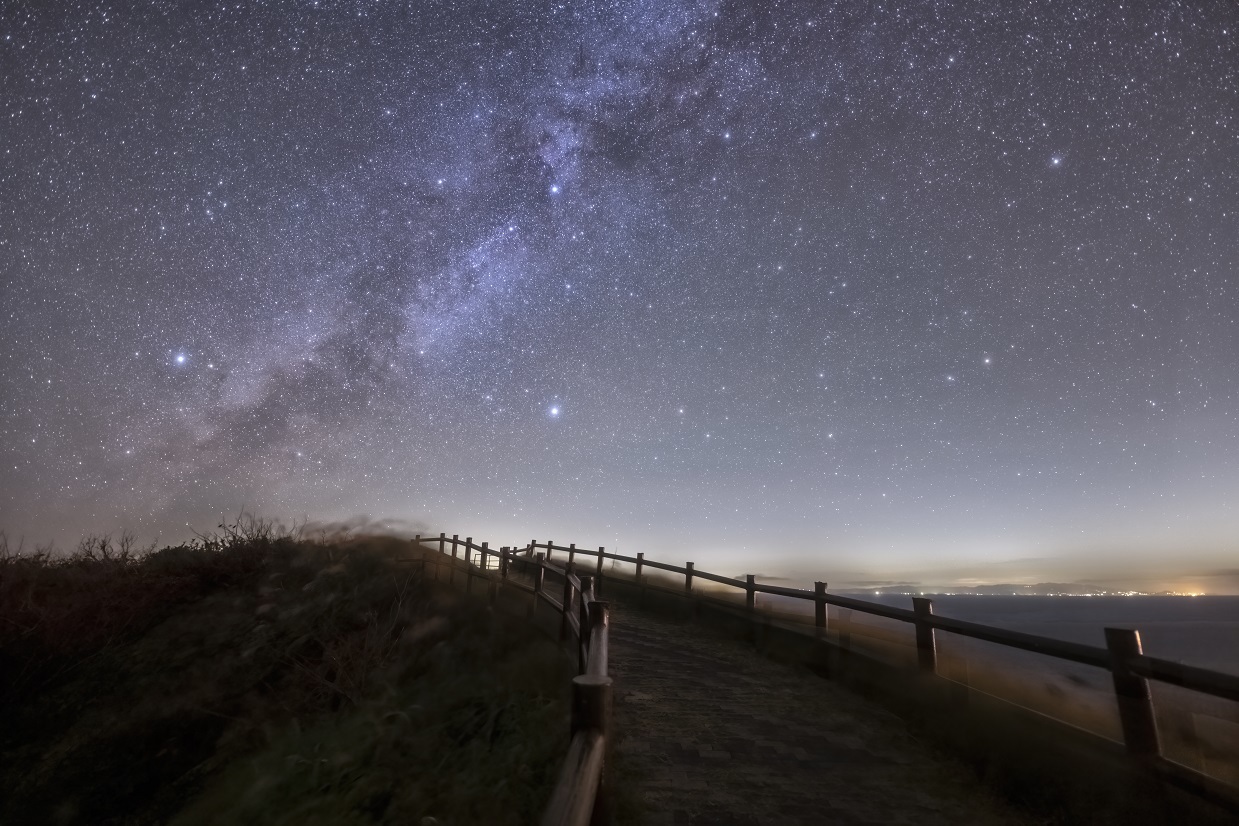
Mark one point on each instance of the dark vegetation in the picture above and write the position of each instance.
(255, 677)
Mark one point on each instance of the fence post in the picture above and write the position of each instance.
(750, 592)
(640, 565)
(442, 550)
(688, 577)
(582, 637)
(1132, 691)
(598, 573)
(503, 562)
(591, 703)
(571, 554)
(926, 647)
(492, 588)
(819, 607)
(550, 545)
(539, 575)
(566, 606)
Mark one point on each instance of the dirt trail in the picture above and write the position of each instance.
(713, 733)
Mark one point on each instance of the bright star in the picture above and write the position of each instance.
(180, 359)
(554, 412)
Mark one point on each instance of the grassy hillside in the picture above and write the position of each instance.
(249, 678)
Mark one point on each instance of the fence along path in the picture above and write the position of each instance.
(1122, 657)
(583, 622)
(1130, 668)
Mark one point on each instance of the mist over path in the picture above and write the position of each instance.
(717, 734)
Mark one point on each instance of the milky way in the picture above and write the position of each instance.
(872, 288)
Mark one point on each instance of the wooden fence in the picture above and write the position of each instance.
(583, 622)
(1129, 667)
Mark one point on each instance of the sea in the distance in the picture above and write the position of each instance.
(1197, 730)
(1201, 630)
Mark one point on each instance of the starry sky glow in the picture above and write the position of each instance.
(887, 290)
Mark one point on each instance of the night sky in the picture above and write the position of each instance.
(884, 291)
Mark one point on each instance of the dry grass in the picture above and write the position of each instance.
(252, 677)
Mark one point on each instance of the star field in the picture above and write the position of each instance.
(873, 288)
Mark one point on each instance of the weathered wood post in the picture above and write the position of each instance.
(571, 554)
(599, 617)
(503, 562)
(550, 545)
(591, 703)
(582, 640)
(688, 590)
(640, 565)
(468, 566)
(819, 605)
(539, 575)
(591, 712)
(1132, 692)
(439, 558)
(493, 586)
(926, 647)
(565, 608)
(750, 592)
(598, 573)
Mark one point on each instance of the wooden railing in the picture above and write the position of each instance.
(583, 621)
(1130, 668)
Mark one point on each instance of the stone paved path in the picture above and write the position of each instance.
(712, 733)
